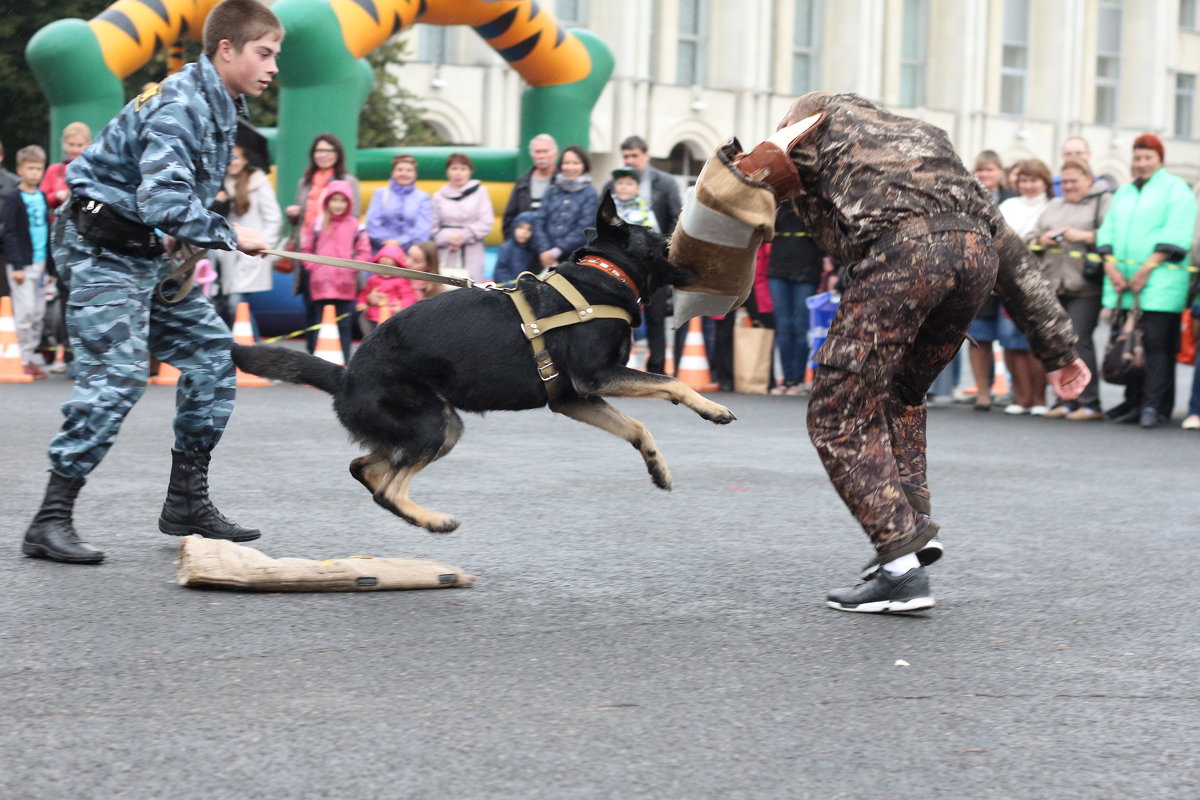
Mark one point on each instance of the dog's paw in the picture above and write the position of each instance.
(440, 523)
(717, 414)
(660, 475)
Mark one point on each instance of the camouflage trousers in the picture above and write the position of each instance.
(115, 321)
(900, 322)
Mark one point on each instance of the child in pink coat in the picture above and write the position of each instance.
(385, 291)
(335, 232)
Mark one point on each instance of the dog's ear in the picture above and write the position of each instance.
(606, 214)
(589, 235)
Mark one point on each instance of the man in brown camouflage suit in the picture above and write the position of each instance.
(925, 244)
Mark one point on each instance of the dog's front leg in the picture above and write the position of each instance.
(594, 411)
(617, 381)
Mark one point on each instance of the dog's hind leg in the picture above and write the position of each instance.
(394, 497)
(371, 471)
(595, 411)
(431, 435)
(618, 381)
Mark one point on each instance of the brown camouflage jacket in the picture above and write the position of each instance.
(865, 170)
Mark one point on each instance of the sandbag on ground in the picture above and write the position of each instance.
(221, 564)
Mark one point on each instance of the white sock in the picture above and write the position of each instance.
(902, 564)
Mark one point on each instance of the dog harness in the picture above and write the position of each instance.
(535, 329)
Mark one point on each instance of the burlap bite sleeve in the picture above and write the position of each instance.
(223, 564)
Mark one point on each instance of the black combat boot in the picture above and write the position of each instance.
(51, 534)
(188, 509)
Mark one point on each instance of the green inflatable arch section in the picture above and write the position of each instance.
(323, 88)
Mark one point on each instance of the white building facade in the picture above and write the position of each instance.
(1014, 76)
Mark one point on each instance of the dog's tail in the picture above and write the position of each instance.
(286, 364)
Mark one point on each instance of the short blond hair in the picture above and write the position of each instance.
(31, 153)
(77, 129)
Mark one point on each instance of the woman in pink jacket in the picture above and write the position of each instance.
(335, 232)
(385, 291)
(462, 217)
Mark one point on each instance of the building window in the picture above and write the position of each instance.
(1108, 61)
(572, 13)
(434, 44)
(1014, 64)
(806, 39)
(914, 50)
(693, 43)
(1187, 14)
(1185, 105)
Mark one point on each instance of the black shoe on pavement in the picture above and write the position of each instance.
(1149, 418)
(188, 508)
(885, 593)
(52, 534)
(1129, 417)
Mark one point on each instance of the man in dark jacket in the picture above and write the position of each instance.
(662, 192)
(924, 244)
(528, 189)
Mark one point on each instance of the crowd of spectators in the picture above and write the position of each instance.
(1104, 249)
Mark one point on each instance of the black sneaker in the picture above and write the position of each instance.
(885, 593)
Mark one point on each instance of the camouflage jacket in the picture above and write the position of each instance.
(865, 170)
(162, 159)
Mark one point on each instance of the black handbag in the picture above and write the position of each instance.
(1093, 263)
(1125, 354)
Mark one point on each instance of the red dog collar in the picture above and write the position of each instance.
(613, 270)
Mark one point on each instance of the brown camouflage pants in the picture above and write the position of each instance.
(900, 322)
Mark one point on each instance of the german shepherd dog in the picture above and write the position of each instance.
(465, 350)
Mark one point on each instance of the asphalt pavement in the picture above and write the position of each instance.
(621, 641)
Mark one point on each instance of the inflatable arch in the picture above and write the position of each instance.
(79, 66)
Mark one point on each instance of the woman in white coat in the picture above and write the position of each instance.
(462, 217)
(252, 203)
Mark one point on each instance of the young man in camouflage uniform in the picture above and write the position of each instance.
(924, 244)
(156, 167)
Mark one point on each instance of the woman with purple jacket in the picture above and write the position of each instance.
(400, 213)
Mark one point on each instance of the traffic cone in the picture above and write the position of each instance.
(11, 368)
(669, 353)
(243, 333)
(1000, 383)
(693, 365)
(167, 375)
(329, 344)
(634, 362)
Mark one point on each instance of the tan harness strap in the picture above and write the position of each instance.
(535, 329)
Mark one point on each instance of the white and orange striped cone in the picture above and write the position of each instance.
(634, 362)
(329, 344)
(167, 375)
(1000, 382)
(693, 365)
(669, 354)
(243, 333)
(12, 369)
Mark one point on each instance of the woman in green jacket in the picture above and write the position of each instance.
(1145, 237)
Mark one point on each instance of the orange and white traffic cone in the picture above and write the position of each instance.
(243, 333)
(634, 362)
(1000, 383)
(329, 344)
(12, 369)
(167, 375)
(693, 365)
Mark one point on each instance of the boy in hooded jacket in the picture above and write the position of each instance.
(517, 254)
(337, 233)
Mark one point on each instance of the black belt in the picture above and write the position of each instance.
(102, 226)
(922, 226)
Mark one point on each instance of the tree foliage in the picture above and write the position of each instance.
(24, 115)
(391, 117)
